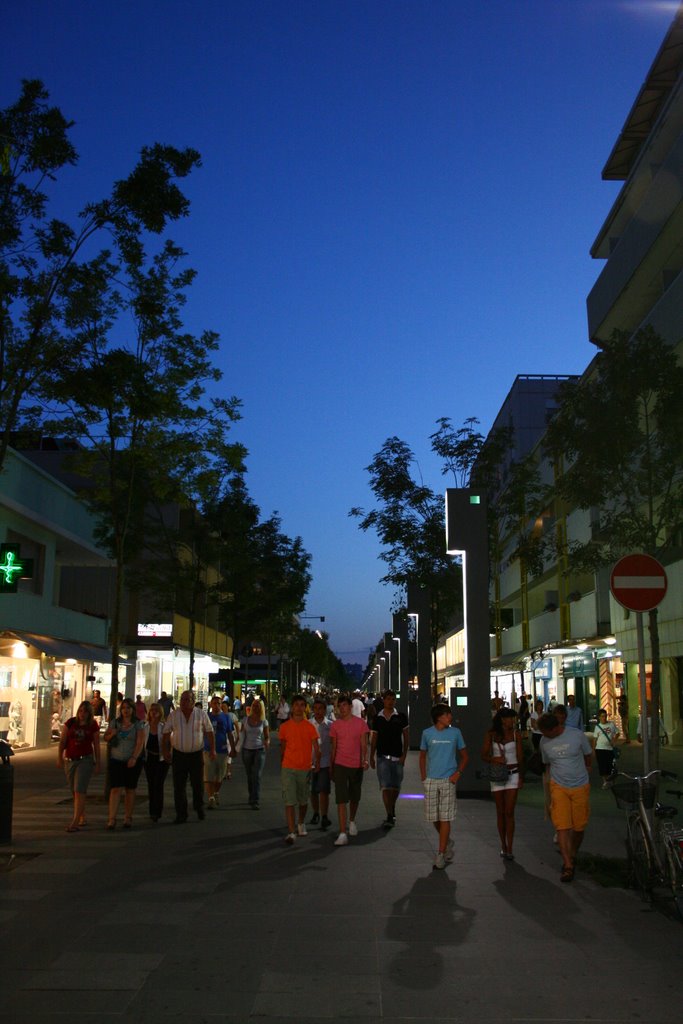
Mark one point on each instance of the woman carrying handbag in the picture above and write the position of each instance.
(503, 747)
(605, 733)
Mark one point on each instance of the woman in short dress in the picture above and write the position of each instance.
(79, 745)
(127, 736)
(503, 745)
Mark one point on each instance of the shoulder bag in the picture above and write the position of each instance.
(495, 772)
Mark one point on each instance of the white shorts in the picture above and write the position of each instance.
(512, 783)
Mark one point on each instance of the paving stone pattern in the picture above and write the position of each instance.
(220, 920)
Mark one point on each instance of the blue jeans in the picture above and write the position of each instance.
(254, 761)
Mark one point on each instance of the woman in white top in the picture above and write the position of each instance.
(605, 733)
(503, 745)
(255, 743)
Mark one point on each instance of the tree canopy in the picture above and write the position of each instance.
(617, 438)
(410, 522)
(617, 443)
(53, 277)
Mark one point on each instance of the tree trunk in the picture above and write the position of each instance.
(115, 637)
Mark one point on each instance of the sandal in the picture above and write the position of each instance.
(567, 874)
(128, 823)
(111, 825)
(72, 828)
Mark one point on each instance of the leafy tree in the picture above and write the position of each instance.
(265, 575)
(185, 549)
(410, 518)
(236, 516)
(409, 521)
(316, 658)
(136, 406)
(617, 442)
(50, 275)
(465, 450)
(283, 580)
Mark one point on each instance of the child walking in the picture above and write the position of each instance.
(443, 758)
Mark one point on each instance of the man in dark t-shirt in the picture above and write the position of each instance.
(389, 743)
(99, 706)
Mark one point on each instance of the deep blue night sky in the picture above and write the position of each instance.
(393, 218)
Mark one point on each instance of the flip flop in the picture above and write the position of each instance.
(71, 828)
(567, 874)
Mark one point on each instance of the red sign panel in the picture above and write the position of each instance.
(638, 582)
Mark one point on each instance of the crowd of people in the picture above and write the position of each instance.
(328, 746)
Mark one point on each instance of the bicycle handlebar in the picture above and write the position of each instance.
(645, 778)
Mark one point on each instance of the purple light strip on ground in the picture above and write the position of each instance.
(411, 796)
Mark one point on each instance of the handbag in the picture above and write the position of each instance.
(495, 772)
(616, 751)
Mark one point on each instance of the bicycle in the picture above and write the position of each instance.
(654, 847)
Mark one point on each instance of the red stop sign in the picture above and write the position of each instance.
(638, 582)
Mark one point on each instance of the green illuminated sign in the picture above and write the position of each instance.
(12, 568)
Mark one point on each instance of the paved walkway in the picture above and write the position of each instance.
(220, 920)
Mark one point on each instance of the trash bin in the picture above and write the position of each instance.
(6, 792)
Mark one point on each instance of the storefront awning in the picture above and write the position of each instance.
(54, 647)
(514, 661)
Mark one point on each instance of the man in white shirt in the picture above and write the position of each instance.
(184, 730)
(357, 706)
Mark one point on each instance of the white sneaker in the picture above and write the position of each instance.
(448, 855)
(342, 839)
(353, 829)
(301, 829)
(290, 838)
(440, 861)
(211, 803)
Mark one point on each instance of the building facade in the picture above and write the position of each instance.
(563, 633)
(48, 649)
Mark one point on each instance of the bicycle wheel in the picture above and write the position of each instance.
(639, 856)
(675, 878)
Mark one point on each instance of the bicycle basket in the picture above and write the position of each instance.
(626, 794)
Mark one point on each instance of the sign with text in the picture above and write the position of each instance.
(155, 629)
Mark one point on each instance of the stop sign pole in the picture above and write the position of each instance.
(638, 582)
